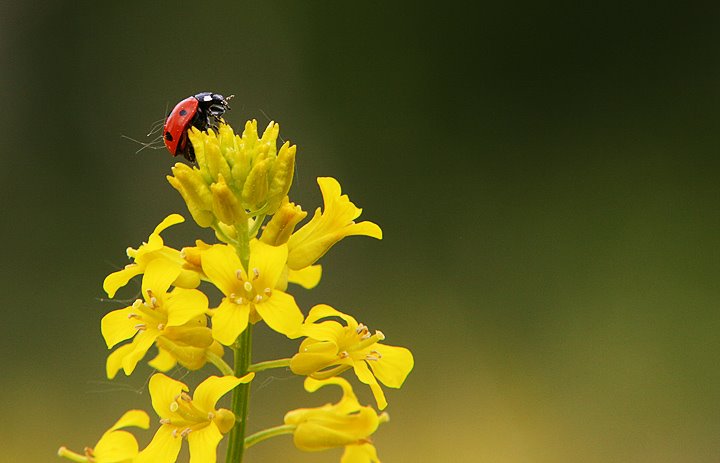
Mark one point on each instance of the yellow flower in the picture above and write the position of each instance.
(277, 232)
(115, 446)
(331, 348)
(193, 418)
(250, 294)
(326, 228)
(176, 320)
(344, 424)
(146, 253)
(236, 176)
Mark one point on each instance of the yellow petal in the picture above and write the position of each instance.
(281, 313)
(115, 360)
(136, 418)
(117, 326)
(140, 345)
(187, 279)
(163, 391)
(393, 366)
(203, 444)
(314, 357)
(155, 240)
(117, 280)
(365, 375)
(365, 228)
(159, 275)
(115, 447)
(163, 361)
(321, 311)
(229, 321)
(163, 448)
(327, 227)
(269, 262)
(185, 304)
(209, 391)
(361, 453)
(220, 263)
(308, 277)
(324, 429)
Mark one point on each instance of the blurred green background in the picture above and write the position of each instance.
(546, 176)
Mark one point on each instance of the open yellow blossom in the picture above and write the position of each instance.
(193, 418)
(250, 294)
(331, 348)
(277, 232)
(176, 320)
(147, 252)
(115, 445)
(344, 424)
(326, 228)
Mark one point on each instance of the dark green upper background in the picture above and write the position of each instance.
(546, 176)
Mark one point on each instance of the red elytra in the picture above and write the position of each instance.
(177, 124)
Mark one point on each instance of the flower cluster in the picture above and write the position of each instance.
(239, 189)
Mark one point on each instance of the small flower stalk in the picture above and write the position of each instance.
(266, 248)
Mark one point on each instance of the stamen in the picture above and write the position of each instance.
(185, 432)
(258, 299)
(153, 302)
(268, 291)
(165, 421)
(140, 327)
(211, 416)
(89, 452)
(161, 326)
(185, 396)
(238, 274)
(240, 301)
(256, 272)
(379, 335)
(134, 315)
(365, 336)
(248, 286)
(174, 432)
(137, 303)
(360, 328)
(174, 406)
(344, 354)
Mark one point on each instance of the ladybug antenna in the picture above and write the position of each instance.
(155, 144)
(157, 125)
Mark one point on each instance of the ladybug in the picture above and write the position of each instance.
(202, 111)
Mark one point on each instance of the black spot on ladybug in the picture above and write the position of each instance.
(183, 112)
(168, 137)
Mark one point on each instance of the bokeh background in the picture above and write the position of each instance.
(546, 175)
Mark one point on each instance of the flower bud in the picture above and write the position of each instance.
(236, 177)
(226, 206)
(194, 191)
(255, 190)
(281, 177)
(280, 227)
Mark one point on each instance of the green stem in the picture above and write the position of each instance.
(241, 396)
(260, 366)
(221, 365)
(256, 226)
(268, 433)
